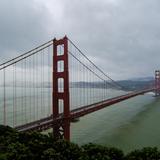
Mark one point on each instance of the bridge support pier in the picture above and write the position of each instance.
(61, 95)
(157, 83)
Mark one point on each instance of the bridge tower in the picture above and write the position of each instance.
(62, 128)
(157, 82)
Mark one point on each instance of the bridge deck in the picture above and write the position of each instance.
(48, 122)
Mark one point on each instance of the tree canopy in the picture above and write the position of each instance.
(36, 146)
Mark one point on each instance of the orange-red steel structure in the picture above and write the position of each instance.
(62, 129)
(61, 115)
(157, 82)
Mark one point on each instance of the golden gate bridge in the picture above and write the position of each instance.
(55, 83)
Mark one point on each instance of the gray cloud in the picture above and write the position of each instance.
(23, 24)
(121, 36)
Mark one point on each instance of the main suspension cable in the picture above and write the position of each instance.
(26, 53)
(96, 65)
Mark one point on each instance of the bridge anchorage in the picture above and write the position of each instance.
(55, 84)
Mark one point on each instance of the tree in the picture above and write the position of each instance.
(147, 153)
(98, 152)
(36, 146)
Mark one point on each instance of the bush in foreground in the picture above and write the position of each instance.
(35, 146)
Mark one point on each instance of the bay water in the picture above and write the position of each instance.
(128, 125)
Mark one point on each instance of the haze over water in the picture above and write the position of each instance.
(127, 125)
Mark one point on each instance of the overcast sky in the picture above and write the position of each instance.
(121, 36)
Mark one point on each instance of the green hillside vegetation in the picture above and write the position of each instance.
(35, 146)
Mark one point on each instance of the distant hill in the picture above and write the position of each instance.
(143, 79)
(131, 84)
(137, 83)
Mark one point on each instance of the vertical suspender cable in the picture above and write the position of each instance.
(13, 89)
(41, 84)
(15, 123)
(4, 92)
(15, 109)
(43, 107)
(30, 91)
(35, 85)
(25, 97)
(37, 88)
(90, 85)
(48, 84)
(22, 91)
(33, 98)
